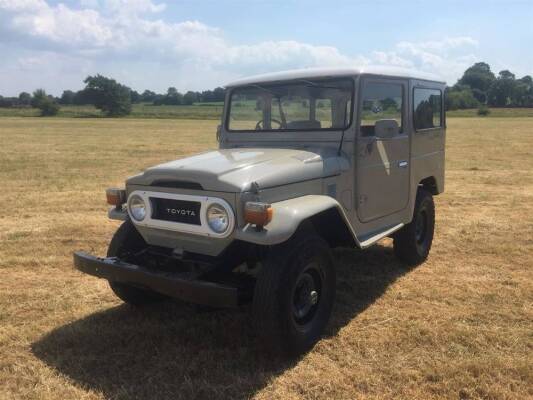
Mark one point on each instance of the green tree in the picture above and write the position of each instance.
(81, 97)
(502, 91)
(173, 97)
(525, 87)
(6, 102)
(158, 99)
(460, 99)
(483, 110)
(148, 96)
(389, 104)
(45, 103)
(207, 96)
(67, 97)
(25, 98)
(38, 97)
(480, 95)
(108, 95)
(219, 94)
(506, 74)
(135, 97)
(190, 98)
(478, 76)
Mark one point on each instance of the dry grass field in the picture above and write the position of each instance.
(459, 326)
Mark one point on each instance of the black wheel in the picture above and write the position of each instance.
(294, 294)
(126, 243)
(413, 242)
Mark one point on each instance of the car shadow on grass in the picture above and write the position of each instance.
(171, 351)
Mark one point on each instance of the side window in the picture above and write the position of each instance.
(427, 108)
(381, 101)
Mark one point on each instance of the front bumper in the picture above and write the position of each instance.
(171, 284)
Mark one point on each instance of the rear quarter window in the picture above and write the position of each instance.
(427, 108)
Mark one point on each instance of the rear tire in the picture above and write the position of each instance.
(413, 242)
(294, 294)
(125, 243)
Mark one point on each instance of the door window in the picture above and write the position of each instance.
(381, 100)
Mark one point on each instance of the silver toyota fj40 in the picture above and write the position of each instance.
(308, 160)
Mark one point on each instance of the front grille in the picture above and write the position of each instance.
(186, 212)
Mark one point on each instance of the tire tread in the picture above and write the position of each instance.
(405, 246)
(273, 331)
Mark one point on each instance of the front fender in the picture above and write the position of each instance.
(287, 216)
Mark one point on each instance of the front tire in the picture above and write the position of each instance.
(125, 244)
(413, 242)
(294, 294)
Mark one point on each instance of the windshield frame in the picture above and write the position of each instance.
(314, 80)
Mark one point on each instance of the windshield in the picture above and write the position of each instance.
(296, 106)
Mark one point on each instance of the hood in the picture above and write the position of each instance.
(234, 170)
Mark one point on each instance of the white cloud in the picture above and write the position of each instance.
(64, 26)
(89, 3)
(23, 5)
(127, 37)
(133, 6)
(391, 58)
(444, 44)
(448, 57)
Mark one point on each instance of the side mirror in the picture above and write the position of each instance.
(386, 128)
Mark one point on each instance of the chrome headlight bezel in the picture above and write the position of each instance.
(217, 218)
(137, 207)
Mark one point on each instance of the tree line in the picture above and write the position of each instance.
(110, 96)
(171, 97)
(478, 87)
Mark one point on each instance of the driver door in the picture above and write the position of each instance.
(382, 162)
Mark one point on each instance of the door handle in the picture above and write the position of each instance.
(402, 164)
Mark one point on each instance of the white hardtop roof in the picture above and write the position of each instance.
(309, 73)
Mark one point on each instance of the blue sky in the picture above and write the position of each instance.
(150, 44)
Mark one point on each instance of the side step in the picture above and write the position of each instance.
(373, 237)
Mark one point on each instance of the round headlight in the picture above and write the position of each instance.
(217, 218)
(137, 207)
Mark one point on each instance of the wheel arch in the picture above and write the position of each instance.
(331, 226)
(323, 213)
(430, 184)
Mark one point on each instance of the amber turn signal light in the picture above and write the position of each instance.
(115, 197)
(257, 213)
